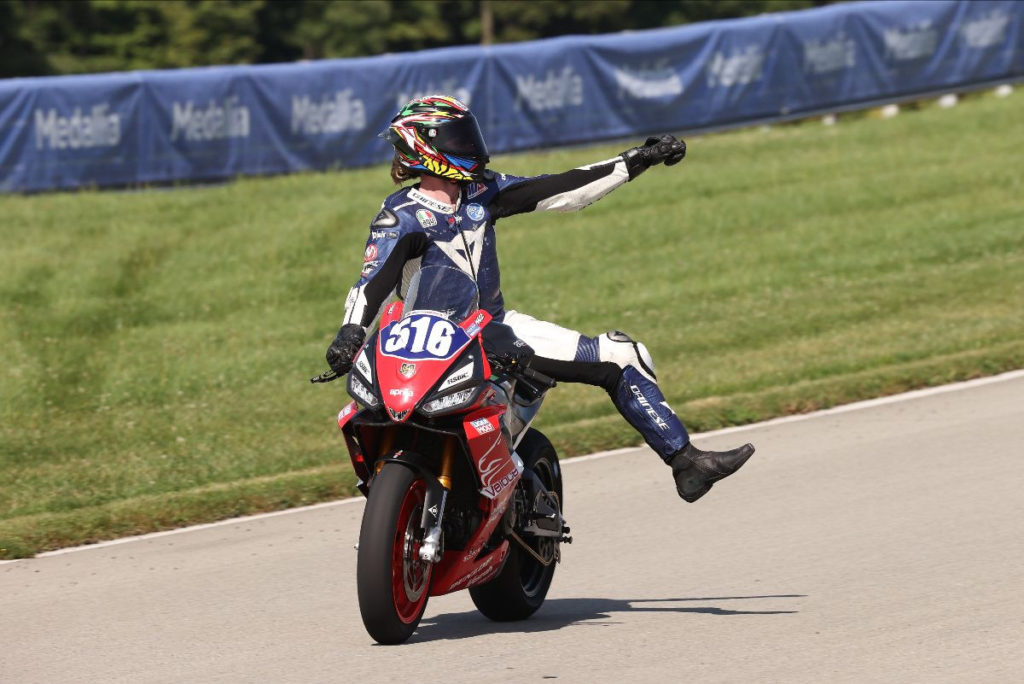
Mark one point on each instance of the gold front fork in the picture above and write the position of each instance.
(387, 439)
(447, 459)
(447, 456)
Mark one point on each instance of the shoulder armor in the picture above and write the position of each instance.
(385, 219)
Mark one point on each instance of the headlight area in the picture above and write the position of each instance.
(459, 388)
(360, 392)
(450, 402)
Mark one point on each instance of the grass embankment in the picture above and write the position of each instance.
(157, 345)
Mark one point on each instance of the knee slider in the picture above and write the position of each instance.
(619, 348)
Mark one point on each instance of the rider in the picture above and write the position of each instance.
(448, 218)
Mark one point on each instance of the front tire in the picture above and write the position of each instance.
(522, 585)
(393, 582)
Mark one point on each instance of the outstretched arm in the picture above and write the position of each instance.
(578, 188)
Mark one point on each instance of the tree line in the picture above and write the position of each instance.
(49, 37)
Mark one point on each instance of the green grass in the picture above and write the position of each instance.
(157, 344)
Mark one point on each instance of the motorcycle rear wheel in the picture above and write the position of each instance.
(522, 585)
(393, 583)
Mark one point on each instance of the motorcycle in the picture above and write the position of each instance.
(461, 493)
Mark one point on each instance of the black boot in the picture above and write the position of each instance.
(695, 470)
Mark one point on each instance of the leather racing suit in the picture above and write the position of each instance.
(413, 230)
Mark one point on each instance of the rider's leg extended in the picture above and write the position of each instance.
(624, 368)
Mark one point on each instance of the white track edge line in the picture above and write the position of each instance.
(193, 528)
(855, 406)
(843, 408)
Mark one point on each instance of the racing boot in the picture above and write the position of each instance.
(695, 470)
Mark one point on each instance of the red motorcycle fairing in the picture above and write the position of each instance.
(392, 313)
(498, 471)
(401, 388)
(346, 414)
(413, 353)
(359, 465)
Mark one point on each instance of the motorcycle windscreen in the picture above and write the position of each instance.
(443, 290)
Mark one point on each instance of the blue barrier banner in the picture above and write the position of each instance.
(70, 131)
(219, 122)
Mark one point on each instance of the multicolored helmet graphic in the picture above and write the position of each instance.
(438, 135)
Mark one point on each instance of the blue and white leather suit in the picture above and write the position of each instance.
(413, 230)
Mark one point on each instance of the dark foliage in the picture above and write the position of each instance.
(40, 37)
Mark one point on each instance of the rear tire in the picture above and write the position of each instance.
(392, 581)
(522, 585)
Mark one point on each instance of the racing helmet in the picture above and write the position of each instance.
(438, 135)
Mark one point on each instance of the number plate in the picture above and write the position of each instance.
(421, 337)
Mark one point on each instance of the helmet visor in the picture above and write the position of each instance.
(462, 138)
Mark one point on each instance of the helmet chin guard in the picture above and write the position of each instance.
(438, 135)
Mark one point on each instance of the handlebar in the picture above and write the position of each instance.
(532, 383)
(538, 378)
(526, 373)
(326, 376)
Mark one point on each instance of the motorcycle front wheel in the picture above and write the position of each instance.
(393, 582)
(522, 585)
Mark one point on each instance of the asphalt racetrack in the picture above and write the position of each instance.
(878, 543)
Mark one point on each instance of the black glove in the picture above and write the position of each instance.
(504, 350)
(511, 359)
(343, 349)
(664, 148)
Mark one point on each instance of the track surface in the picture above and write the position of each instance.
(879, 544)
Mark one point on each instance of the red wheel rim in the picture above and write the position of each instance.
(410, 576)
